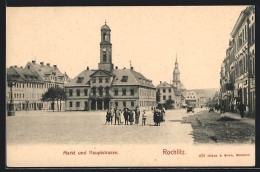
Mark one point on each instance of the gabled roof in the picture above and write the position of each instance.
(22, 75)
(133, 78)
(164, 85)
(85, 75)
(101, 73)
(43, 70)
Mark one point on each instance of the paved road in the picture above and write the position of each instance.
(89, 127)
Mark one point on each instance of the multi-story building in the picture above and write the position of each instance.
(172, 91)
(192, 98)
(31, 82)
(107, 86)
(238, 68)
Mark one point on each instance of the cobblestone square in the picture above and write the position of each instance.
(89, 128)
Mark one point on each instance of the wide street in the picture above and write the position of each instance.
(82, 127)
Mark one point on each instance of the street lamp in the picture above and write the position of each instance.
(10, 109)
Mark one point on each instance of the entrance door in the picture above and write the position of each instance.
(99, 104)
(86, 106)
(93, 105)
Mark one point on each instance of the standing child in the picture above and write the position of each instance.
(143, 118)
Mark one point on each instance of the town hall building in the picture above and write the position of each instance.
(109, 86)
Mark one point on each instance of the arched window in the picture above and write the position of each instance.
(104, 36)
(104, 56)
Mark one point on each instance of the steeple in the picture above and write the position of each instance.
(176, 63)
(105, 49)
(176, 75)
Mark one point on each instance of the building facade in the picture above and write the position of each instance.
(192, 99)
(30, 83)
(237, 74)
(106, 87)
(174, 91)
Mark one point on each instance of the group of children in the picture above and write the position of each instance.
(130, 116)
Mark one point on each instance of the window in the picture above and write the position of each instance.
(116, 104)
(94, 80)
(85, 92)
(23, 95)
(77, 104)
(170, 90)
(132, 92)
(116, 92)
(78, 92)
(164, 90)
(164, 97)
(107, 90)
(170, 97)
(104, 56)
(80, 79)
(124, 79)
(100, 90)
(94, 91)
(107, 80)
(124, 91)
(124, 104)
(70, 104)
(132, 103)
(100, 80)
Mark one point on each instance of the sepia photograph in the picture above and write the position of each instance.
(130, 86)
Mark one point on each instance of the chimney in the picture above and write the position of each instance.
(42, 63)
(124, 68)
(160, 82)
(132, 68)
(33, 61)
(55, 66)
(116, 67)
(21, 67)
(87, 68)
(15, 65)
(48, 64)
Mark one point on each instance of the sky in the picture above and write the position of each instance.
(149, 37)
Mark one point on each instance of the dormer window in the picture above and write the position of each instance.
(124, 79)
(100, 80)
(94, 80)
(107, 80)
(80, 79)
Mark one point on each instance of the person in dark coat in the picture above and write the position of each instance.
(108, 116)
(242, 109)
(131, 117)
(137, 115)
(126, 116)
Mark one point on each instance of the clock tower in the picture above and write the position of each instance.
(105, 50)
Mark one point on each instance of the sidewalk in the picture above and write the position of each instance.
(237, 116)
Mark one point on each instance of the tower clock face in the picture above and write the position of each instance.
(104, 49)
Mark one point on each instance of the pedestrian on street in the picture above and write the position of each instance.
(131, 117)
(120, 115)
(111, 115)
(137, 115)
(143, 118)
(126, 114)
(222, 111)
(241, 110)
(117, 116)
(108, 116)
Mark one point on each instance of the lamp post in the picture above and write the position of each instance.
(11, 111)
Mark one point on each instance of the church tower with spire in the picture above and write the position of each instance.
(105, 50)
(176, 76)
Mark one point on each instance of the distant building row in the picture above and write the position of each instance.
(237, 75)
(31, 82)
